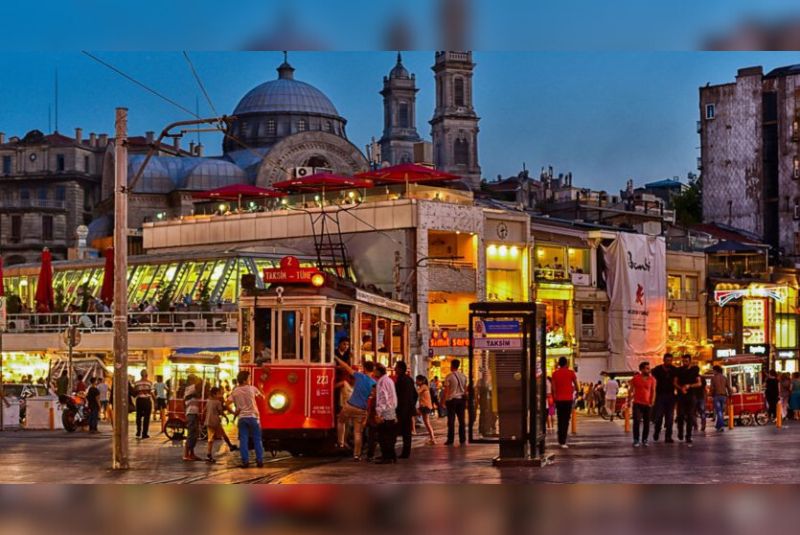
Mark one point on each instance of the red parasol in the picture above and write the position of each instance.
(236, 192)
(406, 173)
(107, 290)
(322, 182)
(45, 301)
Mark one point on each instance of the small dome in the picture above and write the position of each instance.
(286, 95)
(399, 71)
(211, 174)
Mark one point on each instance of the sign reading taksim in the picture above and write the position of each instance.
(497, 343)
(496, 334)
(290, 272)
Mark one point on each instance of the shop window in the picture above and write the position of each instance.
(674, 328)
(786, 331)
(673, 287)
(557, 319)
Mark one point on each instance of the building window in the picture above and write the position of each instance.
(270, 127)
(16, 228)
(41, 194)
(403, 116)
(60, 162)
(458, 91)
(47, 228)
(87, 164)
(691, 328)
(673, 287)
(587, 316)
(24, 194)
(674, 328)
(711, 111)
(6, 165)
(328, 126)
(724, 325)
(461, 152)
(690, 288)
(61, 193)
(302, 125)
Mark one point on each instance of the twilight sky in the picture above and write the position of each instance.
(605, 116)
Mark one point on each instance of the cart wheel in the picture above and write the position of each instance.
(746, 419)
(174, 429)
(762, 418)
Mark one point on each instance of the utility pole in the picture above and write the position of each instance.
(120, 436)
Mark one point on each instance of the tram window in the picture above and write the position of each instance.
(315, 324)
(398, 349)
(291, 324)
(367, 329)
(263, 338)
(384, 341)
(341, 324)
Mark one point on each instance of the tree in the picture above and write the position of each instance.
(688, 204)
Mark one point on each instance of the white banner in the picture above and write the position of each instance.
(636, 275)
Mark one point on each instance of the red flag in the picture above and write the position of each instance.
(107, 290)
(45, 301)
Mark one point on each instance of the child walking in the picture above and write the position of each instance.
(214, 412)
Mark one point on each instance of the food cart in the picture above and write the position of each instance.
(206, 368)
(745, 375)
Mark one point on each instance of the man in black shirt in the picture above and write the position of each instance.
(93, 404)
(664, 408)
(687, 379)
(406, 392)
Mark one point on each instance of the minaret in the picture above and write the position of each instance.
(399, 115)
(454, 126)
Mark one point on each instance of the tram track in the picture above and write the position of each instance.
(297, 465)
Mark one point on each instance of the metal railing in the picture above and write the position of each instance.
(90, 322)
(33, 203)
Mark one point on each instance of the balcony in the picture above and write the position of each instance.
(452, 277)
(33, 203)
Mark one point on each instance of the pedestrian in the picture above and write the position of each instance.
(386, 414)
(687, 379)
(144, 405)
(80, 386)
(244, 398)
(214, 410)
(191, 408)
(161, 399)
(565, 385)
(700, 404)
(551, 406)
(664, 408)
(406, 405)
(102, 387)
(772, 393)
(372, 423)
(455, 393)
(62, 384)
(642, 394)
(720, 391)
(794, 399)
(354, 409)
(611, 388)
(785, 390)
(434, 395)
(93, 404)
(426, 407)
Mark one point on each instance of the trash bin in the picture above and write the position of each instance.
(11, 413)
(43, 412)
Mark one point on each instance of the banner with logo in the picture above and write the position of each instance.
(636, 277)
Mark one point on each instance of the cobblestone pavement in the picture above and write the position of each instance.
(600, 453)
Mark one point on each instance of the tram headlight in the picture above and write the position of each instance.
(278, 401)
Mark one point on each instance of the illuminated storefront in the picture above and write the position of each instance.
(506, 272)
(444, 346)
(560, 337)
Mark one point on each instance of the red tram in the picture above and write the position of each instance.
(289, 333)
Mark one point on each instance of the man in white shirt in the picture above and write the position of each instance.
(244, 398)
(612, 388)
(386, 414)
(455, 396)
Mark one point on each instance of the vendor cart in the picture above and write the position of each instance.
(207, 370)
(745, 373)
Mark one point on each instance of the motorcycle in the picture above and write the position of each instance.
(75, 413)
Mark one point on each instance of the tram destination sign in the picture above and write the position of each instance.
(289, 272)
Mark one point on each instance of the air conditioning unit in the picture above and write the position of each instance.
(796, 212)
(300, 172)
(17, 326)
(194, 325)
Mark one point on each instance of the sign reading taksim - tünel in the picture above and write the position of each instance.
(290, 272)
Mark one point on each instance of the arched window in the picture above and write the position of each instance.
(403, 116)
(317, 161)
(461, 152)
(458, 91)
(302, 125)
(328, 126)
(271, 127)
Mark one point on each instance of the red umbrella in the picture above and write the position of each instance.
(322, 182)
(45, 301)
(406, 173)
(236, 192)
(107, 290)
